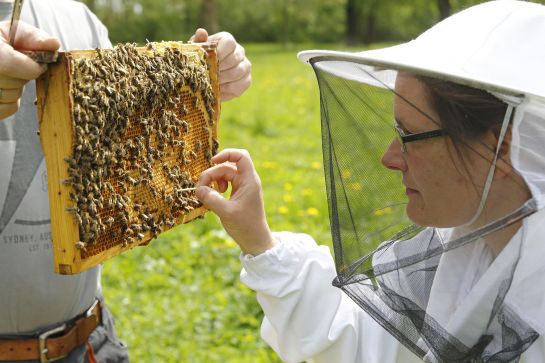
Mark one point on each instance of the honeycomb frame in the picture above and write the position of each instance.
(129, 205)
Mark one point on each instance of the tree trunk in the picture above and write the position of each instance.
(285, 23)
(208, 18)
(352, 33)
(444, 8)
(369, 35)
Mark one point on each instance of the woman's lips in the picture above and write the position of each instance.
(408, 190)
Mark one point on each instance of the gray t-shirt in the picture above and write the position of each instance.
(32, 296)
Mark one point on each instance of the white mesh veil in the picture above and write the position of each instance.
(442, 292)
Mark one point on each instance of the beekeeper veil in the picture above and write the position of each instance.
(434, 157)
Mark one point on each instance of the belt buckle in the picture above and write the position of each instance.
(89, 311)
(42, 340)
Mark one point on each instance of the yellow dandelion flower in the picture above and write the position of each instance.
(355, 186)
(287, 198)
(283, 210)
(307, 192)
(269, 165)
(382, 211)
(316, 165)
(288, 186)
(312, 211)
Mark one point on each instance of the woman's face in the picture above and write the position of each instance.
(440, 191)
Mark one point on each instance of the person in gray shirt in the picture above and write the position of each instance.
(33, 299)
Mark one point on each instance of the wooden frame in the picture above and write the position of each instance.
(55, 105)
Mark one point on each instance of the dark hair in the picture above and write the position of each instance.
(465, 112)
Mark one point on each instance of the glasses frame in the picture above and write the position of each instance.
(406, 137)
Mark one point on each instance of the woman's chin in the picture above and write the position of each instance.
(417, 218)
(426, 218)
(422, 216)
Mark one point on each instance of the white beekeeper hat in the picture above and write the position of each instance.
(500, 47)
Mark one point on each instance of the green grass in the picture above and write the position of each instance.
(180, 299)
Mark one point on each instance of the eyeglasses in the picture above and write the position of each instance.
(405, 137)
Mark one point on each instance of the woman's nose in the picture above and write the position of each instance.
(393, 157)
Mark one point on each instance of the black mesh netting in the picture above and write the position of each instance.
(388, 265)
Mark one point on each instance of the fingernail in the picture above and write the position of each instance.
(200, 192)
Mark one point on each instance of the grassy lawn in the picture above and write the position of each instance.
(180, 299)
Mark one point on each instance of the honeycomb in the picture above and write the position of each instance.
(142, 126)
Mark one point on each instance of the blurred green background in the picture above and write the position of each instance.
(180, 299)
(284, 21)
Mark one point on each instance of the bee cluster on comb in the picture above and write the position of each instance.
(143, 125)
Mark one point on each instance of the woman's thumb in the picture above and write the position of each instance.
(211, 199)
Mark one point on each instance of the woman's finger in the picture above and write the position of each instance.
(240, 157)
(223, 172)
(222, 185)
(212, 200)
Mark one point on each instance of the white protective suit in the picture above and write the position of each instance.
(306, 318)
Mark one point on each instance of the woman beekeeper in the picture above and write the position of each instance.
(454, 203)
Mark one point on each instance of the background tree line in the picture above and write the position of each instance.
(349, 21)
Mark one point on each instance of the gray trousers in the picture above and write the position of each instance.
(106, 346)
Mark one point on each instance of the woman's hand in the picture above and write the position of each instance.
(234, 68)
(16, 69)
(243, 215)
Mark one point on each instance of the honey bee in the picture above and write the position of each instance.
(73, 210)
(81, 246)
(78, 219)
(136, 227)
(132, 180)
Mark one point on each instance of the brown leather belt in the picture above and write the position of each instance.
(53, 344)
